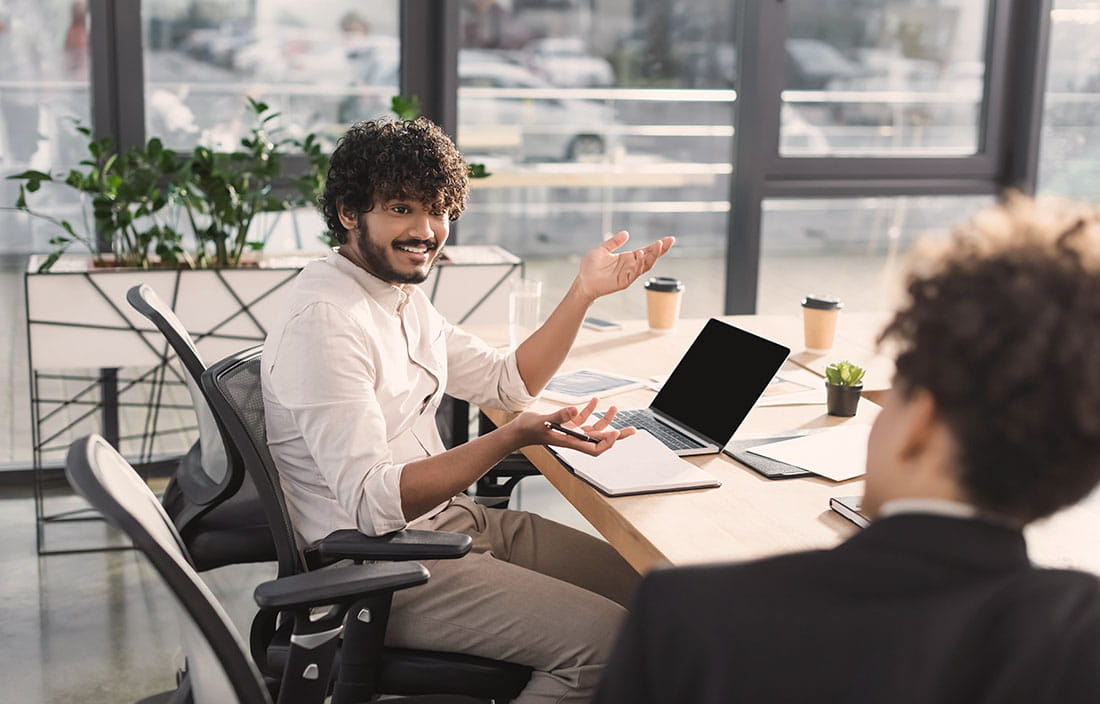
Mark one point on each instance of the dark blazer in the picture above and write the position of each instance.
(915, 608)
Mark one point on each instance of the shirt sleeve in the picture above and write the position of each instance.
(482, 375)
(323, 374)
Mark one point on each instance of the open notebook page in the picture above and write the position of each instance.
(639, 464)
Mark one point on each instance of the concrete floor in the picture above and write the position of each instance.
(98, 627)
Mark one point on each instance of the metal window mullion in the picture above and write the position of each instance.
(117, 83)
(429, 58)
(429, 63)
(1025, 60)
(760, 26)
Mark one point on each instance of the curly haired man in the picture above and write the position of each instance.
(993, 422)
(352, 377)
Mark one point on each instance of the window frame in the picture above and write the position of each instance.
(1010, 121)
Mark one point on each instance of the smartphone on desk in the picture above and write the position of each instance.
(600, 324)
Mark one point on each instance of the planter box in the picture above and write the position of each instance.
(78, 317)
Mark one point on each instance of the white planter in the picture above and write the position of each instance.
(78, 317)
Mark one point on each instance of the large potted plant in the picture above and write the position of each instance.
(183, 223)
(137, 197)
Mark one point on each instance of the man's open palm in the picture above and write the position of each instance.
(605, 271)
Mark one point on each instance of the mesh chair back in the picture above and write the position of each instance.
(236, 397)
(218, 668)
(214, 462)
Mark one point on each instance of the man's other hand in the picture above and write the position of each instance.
(604, 271)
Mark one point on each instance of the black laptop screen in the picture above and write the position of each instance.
(718, 380)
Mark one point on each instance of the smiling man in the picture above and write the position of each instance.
(352, 377)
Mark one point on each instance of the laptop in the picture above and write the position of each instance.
(711, 390)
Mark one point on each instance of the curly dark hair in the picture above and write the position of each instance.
(387, 159)
(1002, 327)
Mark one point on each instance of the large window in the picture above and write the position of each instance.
(598, 117)
(321, 65)
(43, 90)
(852, 248)
(1070, 163)
(870, 77)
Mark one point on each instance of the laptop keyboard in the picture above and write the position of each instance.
(643, 420)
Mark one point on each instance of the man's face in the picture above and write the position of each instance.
(399, 240)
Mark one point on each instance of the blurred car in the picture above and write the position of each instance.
(812, 63)
(505, 109)
(891, 74)
(564, 62)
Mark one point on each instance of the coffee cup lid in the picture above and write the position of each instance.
(822, 302)
(664, 283)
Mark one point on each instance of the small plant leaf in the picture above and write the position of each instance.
(406, 107)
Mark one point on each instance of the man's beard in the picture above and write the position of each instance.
(374, 255)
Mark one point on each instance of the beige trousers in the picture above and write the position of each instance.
(531, 591)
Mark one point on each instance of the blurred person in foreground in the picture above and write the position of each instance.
(993, 422)
(352, 375)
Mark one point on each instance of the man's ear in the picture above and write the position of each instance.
(922, 424)
(348, 217)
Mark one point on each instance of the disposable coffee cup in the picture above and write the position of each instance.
(819, 321)
(662, 296)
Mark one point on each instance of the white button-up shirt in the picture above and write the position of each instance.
(352, 376)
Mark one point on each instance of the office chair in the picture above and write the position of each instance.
(218, 668)
(233, 388)
(211, 501)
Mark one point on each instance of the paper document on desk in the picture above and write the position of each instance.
(838, 453)
(639, 464)
(793, 387)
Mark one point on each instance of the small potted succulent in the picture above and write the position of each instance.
(843, 384)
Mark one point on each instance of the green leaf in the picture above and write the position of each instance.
(477, 171)
(406, 107)
(32, 174)
(50, 261)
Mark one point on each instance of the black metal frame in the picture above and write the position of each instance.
(114, 390)
(1007, 155)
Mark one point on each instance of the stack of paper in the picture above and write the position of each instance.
(838, 454)
(639, 464)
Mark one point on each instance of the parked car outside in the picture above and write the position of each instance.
(496, 96)
(564, 61)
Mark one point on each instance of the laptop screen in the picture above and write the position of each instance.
(718, 380)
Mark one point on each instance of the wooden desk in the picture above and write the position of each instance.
(747, 517)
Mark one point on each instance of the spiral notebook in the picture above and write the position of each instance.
(639, 464)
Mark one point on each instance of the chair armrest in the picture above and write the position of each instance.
(402, 545)
(339, 585)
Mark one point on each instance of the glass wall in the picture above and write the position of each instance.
(853, 248)
(895, 78)
(320, 65)
(866, 78)
(1070, 153)
(43, 90)
(594, 118)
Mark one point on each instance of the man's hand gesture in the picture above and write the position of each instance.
(604, 271)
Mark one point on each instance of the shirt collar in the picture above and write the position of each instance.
(945, 507)
(938, 507)
(392, 297)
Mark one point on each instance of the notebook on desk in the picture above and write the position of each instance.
(639, 464)
(711, 390)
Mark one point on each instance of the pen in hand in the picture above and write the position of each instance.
(570, 432)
